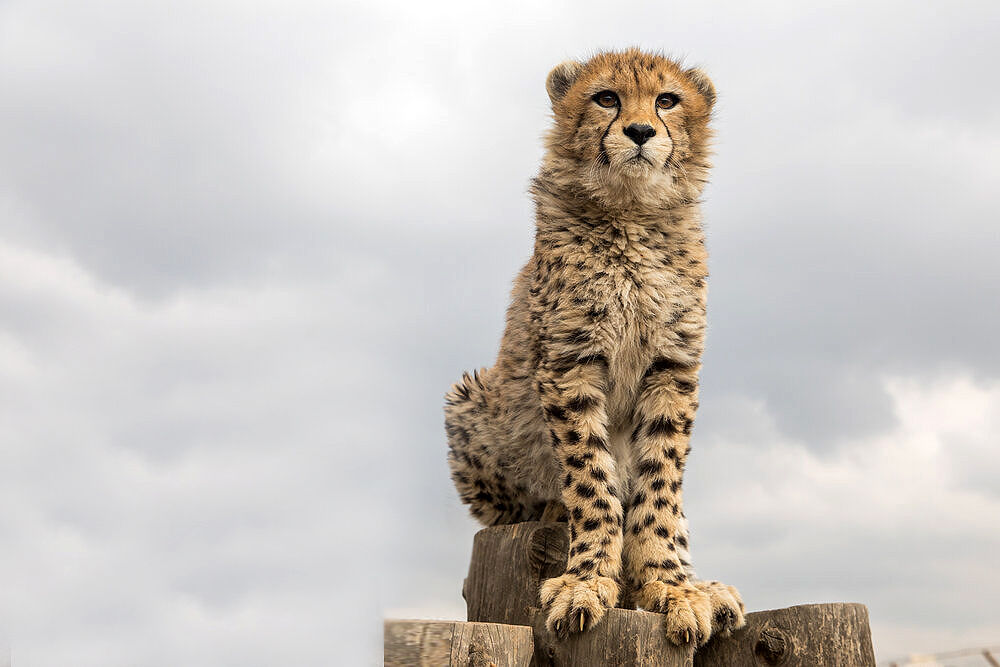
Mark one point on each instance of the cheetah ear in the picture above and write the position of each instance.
(561, 78)
(703, 84)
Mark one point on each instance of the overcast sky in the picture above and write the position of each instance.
(246, 247)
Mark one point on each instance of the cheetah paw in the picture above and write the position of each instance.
(688, 610)
(727, 607)
(575, 604)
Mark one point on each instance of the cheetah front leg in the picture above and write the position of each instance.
(575, 406)
(656, 530)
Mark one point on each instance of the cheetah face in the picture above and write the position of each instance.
(632, 122)
(636, 141)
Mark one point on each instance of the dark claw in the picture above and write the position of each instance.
(725, 619)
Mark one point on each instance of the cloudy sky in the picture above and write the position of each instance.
(246, 247)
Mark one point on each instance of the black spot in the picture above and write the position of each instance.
(657, 484)
(591, 524)
(660, 503)
(598, 474)
(668, 565)
(662, 532)
(649, 467)
(681, 540)
(597, 442)
(555, 412)
(573, 436)
(582, 403)
(661, 365)
(638, 499)
(596, 313)
(575, 461)
(648, 521)
(675, 485)
(661, 426)
(602, 504)
(684, 386)
(585, 490)
(577, 514)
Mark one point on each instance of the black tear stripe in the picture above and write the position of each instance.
(602, 155)
(673, 145)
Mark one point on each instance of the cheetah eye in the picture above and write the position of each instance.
(667, 100)
(606, 99)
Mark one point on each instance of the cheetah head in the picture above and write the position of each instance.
(631, 127)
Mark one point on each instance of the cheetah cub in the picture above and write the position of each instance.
(589, 406)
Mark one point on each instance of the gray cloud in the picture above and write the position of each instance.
(245, 250)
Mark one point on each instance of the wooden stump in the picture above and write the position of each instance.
(510, 562)
(624, 638)
(508, 565)
(438, 643)
(809, 634)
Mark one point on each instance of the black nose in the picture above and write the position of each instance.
(640, 134)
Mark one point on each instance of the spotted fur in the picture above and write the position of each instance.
(593, 396)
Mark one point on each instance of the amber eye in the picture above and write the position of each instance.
(606, 99)
(667, 100)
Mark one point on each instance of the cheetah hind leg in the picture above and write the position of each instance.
(476, 471)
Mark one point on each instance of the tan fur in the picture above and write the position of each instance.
(594, 392)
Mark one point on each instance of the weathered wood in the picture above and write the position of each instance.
(809, 634)
(624, 638)
(440, 643)
(508, 565)
(510, 562)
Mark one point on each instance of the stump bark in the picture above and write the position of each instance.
(510, 562)
(809, 634)
(437, 643)
(508, 565)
